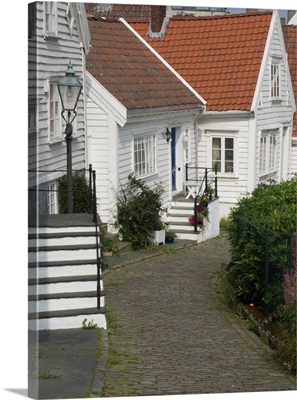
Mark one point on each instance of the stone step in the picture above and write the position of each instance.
(69, 295)
(60, 304)
(187, 236)
(54, 242)
(67, 319)
(61, 255)
(64, 287)
(181, 226)
(52, 271)
(179, 218)
(63, 279)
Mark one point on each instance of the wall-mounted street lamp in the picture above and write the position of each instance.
(167, 135)
(69, 90)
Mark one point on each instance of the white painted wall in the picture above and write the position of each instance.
(48, 59)
(104, 116)
(231, 186)
(274, 114)
(157, 125)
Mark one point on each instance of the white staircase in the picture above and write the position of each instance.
(178, 216)
(63, 275)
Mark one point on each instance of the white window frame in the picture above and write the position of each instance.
(222, 160)
(144, 155)
(187, 147)
(51, 198)
(275, 79)
(267, 152)
(32, 116)
(50, 17)
(56, 126)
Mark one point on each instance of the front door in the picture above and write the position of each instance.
(173, 159)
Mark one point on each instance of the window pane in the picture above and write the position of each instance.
(144, 155)
(229, 143)
(216, 153)
(229, 155)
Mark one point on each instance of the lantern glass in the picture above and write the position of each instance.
(69, 96)
(69, 90)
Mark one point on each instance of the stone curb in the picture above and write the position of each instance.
(144, 257)
(97, 384)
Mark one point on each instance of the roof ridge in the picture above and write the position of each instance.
(207, 17)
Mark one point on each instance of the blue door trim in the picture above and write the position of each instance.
(173, 159)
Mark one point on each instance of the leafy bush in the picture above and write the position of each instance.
(80, 193)
(273, 206)
(139, 211)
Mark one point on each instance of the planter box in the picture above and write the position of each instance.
(158, 237)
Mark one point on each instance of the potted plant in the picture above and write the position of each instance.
(169, 237)
(210, 192)
(204, 199)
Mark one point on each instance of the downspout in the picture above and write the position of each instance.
(86, 141)
(196, 139)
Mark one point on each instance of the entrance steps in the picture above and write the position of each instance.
(63, 275)
(178, 218)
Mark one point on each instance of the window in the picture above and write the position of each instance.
(55, 119)
(32, 113)
(50, 19)
(31, 20)
(275, 80)
(223, 154)
(186, 142)
(51, 198)
(144, 155)
(267, 162)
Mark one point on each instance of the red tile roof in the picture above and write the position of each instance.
(290, 38)
(219, 56)
(131, 72)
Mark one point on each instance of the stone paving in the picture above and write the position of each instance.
(170, 335)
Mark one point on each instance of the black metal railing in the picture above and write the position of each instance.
(87, 195)
(204, 180)
(207, 190)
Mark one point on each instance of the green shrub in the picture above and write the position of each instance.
(139, 211)
(80, 193)
(273, 206)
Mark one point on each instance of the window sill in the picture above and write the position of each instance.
(226, 176)
(267, 175)
(151, 175)
(50, 36)
(55, 141)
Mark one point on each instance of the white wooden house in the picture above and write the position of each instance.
(238, 63)
(290, 37)
(58, 33)
(133, 99)
(65, 286)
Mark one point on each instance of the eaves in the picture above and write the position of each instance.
(143, 112)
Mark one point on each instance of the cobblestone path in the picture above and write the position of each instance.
(170, 335)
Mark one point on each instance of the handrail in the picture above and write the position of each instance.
(95, 219)
(205, 179)
(92, 210)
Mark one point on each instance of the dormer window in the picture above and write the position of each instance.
(50, 19)
(275, 79)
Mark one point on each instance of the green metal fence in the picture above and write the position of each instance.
(278, 249)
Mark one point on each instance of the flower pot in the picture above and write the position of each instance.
(158, 237)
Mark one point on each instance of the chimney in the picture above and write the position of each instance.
(251, 10)
(158, 14)
(291, 14)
